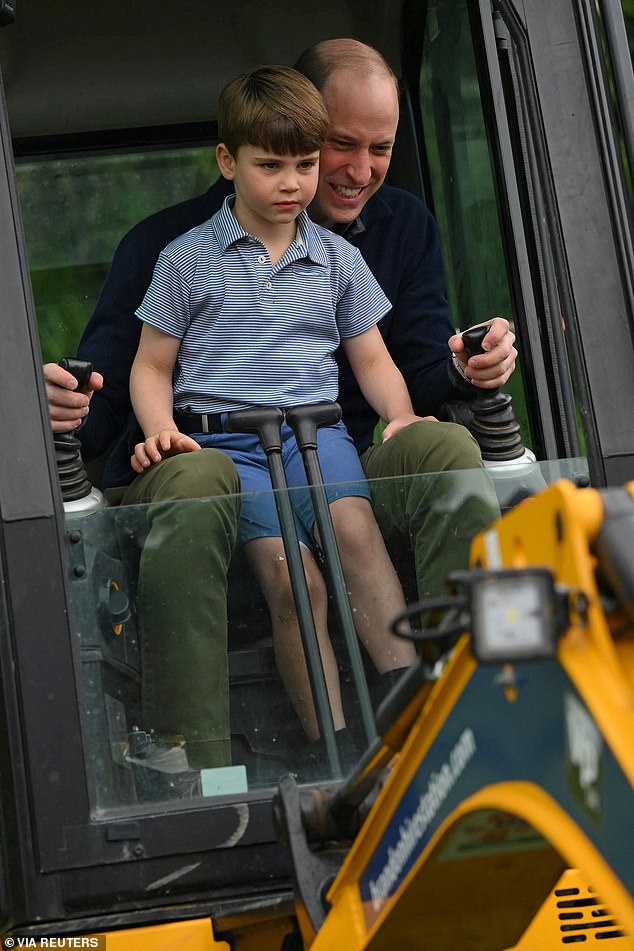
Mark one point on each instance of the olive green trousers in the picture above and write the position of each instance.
(431, 495)
(185, 539)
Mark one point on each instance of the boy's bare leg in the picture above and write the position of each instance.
(375, 592)
(268, 561)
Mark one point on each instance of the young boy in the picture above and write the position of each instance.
(249, 308)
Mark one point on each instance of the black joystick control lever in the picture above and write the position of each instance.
(80, 369)
(474, 338)
(70, 467)
(494, 424)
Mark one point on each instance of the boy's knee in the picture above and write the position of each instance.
(355, 526)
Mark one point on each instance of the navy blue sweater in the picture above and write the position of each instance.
(398, 238)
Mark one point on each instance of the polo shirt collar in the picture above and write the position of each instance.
(308, 235)
(228, 228)
(229, 231)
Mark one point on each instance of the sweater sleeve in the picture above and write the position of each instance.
(420, 323)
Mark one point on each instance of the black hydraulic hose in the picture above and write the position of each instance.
(266, 422)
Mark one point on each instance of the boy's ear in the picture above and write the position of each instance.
(225, 160)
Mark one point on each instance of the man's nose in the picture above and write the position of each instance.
(359, 167)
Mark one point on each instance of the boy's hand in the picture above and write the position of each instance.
(400, 422)
(66, 407)
(169, 442)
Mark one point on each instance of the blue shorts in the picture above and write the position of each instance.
(340, 465)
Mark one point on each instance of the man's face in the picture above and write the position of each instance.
(363, 111)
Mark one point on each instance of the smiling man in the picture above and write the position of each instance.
(399, 240)
(356, 157)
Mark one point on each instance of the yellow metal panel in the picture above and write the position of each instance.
(196, 935)
(460, 896)
(441, 701)
(555, 921)
(494, 895)
(555, 530)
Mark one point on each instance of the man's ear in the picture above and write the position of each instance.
(225, 160)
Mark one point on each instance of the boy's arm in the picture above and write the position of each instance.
(379, 379)
(153, 401)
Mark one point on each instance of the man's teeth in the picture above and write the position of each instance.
(347, 192)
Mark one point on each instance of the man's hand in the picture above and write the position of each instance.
(492, 368)
(401, 422)
(169, 442)
(66, 407)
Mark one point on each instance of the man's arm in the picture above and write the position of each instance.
(422, 300)
(403, 251)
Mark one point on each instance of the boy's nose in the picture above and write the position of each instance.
(289, 182)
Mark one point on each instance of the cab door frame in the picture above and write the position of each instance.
(565, 214)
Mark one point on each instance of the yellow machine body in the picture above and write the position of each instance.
(513, 790)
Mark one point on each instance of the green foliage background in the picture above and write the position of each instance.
(628, 13)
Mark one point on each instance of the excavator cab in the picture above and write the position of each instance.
(516, 131)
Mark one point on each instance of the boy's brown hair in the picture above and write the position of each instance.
(274, 108)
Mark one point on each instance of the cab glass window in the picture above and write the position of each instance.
(461, 178)
(234, 729)
(76, 209)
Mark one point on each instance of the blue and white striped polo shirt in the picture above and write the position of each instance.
(253, 333)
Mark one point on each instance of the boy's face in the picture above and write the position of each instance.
(270, 189)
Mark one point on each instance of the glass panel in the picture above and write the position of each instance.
(463, 194)
(138, 660)
(75, 212)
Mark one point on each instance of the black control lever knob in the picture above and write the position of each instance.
(80, 369)
(473, 338)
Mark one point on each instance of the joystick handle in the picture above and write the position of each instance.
(80, 369)
(473, 338)
(73, 478)
(494, 424)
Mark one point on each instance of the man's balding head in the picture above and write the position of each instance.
(321, 60)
